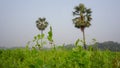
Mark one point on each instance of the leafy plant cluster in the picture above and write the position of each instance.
(58, 58)
(39, 40)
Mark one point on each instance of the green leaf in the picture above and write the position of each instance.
(50, 35)
(42, 36)
(50, 39)
(31, 66)
(76, 43)
(38, 36)
(34, 38)
(40, 62)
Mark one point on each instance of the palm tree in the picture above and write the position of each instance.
(41, 24)
(82, 19)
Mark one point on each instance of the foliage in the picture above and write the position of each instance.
(84, 16)
(50, 36)
(37, 40)
(59, 58)
(76, 58)
(108, 45)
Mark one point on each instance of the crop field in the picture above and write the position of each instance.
(58, 58)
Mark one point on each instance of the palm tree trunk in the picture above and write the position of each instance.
(84, 42)
(41, 37)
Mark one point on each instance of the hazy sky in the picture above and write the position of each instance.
(17, 20)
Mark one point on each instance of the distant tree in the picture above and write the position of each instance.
(108, 45)
(82, 19)
(41, 24)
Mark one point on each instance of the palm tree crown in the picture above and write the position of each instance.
(83, 17)
(41, 24)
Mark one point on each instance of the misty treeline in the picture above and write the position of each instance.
(107, 45)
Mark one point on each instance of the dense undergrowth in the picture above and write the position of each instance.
(58, 58)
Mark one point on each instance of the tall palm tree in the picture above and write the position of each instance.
(82, 19)
(41, 24)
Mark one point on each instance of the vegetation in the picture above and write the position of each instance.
(37, 40)
(82, 19)
(58, 58)
(50, 37)
(109, 45)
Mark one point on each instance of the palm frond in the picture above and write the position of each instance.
(84, 16)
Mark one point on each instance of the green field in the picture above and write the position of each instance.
(58, 58)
